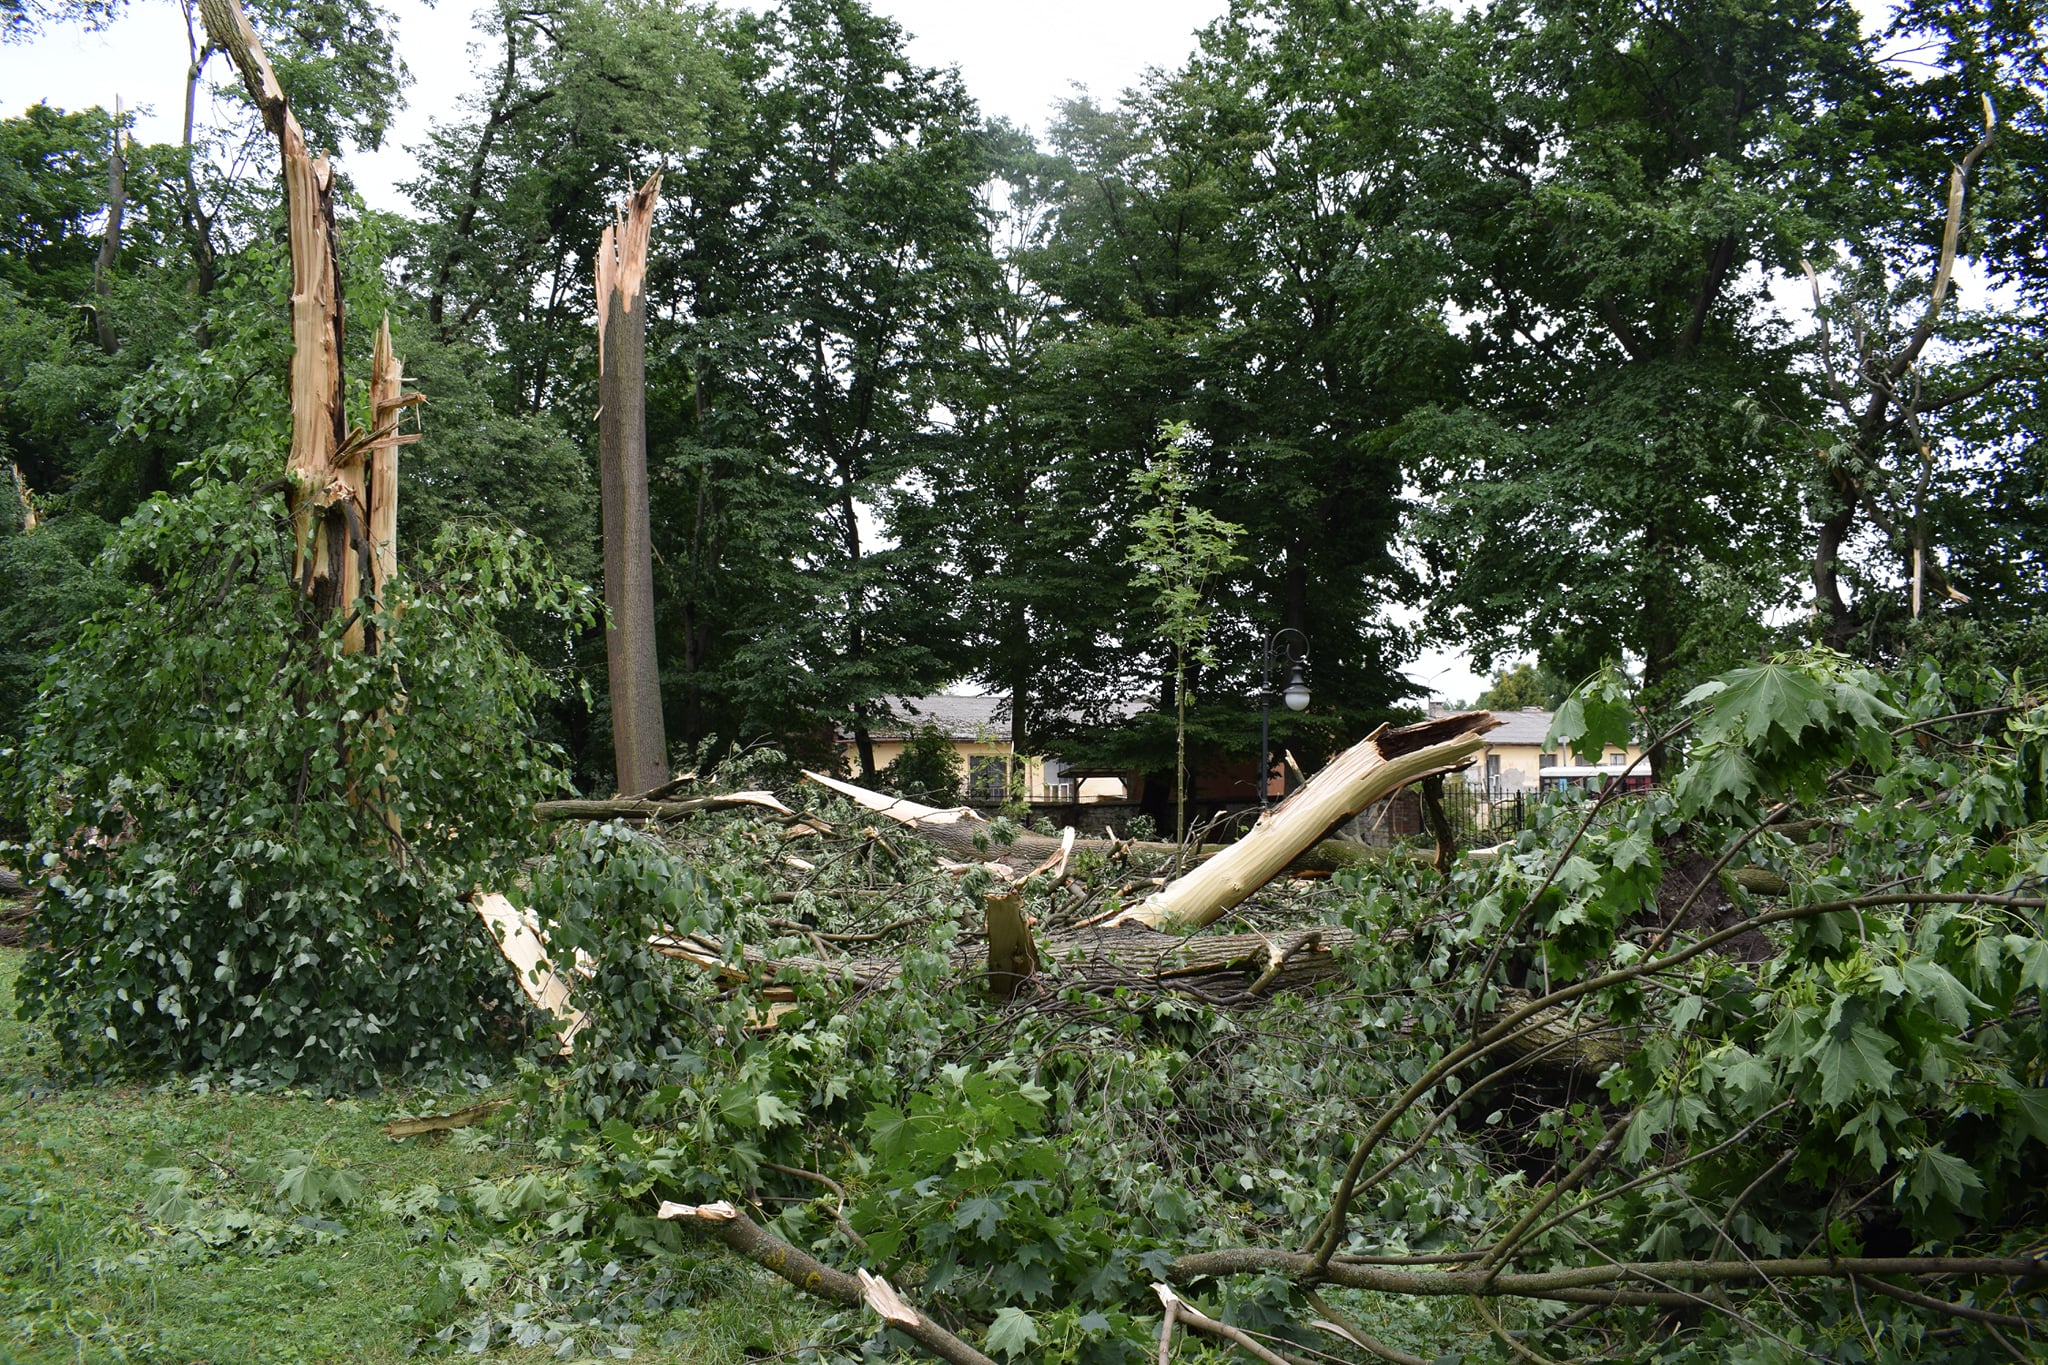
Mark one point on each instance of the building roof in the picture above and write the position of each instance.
(1526, 726)
(985, 718)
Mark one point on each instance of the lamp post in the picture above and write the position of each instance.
(1296, 697)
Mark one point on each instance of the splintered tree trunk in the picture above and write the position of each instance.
(325, 469)
(388, 400)
(110, 239)
(638, 740)
(1376, 766)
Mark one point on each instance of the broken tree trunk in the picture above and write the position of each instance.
(962, 831)
(388, 402)
(30, 519)
(639, 742)
(1375, 767)
(324, 471)
(110, 240)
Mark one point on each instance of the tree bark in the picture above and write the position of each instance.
(324, 469)
(110, 240)
(1377, 766)
(639, 741)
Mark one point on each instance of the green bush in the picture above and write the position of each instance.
(928, 769)
(206, 781)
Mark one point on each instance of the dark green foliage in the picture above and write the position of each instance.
(929, 768)
(1523, 685)
(50, 581)
(206, 778)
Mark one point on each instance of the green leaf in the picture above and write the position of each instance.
(1012, 1333)
(1850, 1059)
(2031, 1106)
(1941, 1178)
(1772, 696)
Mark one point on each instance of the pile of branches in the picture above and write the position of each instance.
(1753, 1058)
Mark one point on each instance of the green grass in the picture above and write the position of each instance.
(93, 1269)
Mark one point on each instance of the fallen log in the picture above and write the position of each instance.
(1375, 767)
(631, 808)
(1221, 968)
(1233, 971)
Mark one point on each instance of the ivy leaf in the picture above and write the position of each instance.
(1012, 1333)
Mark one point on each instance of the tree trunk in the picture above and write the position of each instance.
(110, 240)
(639, 741)
(325, 470)
(1377, 766)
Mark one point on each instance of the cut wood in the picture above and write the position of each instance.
(639, 742)
(1375, 767)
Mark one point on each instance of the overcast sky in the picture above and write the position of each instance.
(1017, 61)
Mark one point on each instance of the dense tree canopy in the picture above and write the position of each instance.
(1499, 316)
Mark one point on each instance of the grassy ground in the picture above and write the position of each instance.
(162, 1225)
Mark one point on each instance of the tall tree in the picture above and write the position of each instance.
(1611, 178)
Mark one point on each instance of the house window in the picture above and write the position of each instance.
(1493, 775)
(988, 777)
(1058, 787)
(1546, 760)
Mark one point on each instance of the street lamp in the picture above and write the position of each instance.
(1295, 697)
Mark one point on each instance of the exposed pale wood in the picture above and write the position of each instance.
(1012, 955)
(388, 402)
(518, 937)
(1352, 781)
(639, 741)
(324, 496)
(30, 518)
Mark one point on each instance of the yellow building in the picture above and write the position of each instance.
(1514, 759)
(979, 728)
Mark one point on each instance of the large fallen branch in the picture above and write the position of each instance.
(630, 808)
(1378, 767)
(1619, 1283)
(1222, 968)
(743, 1235)
(1375, 767)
